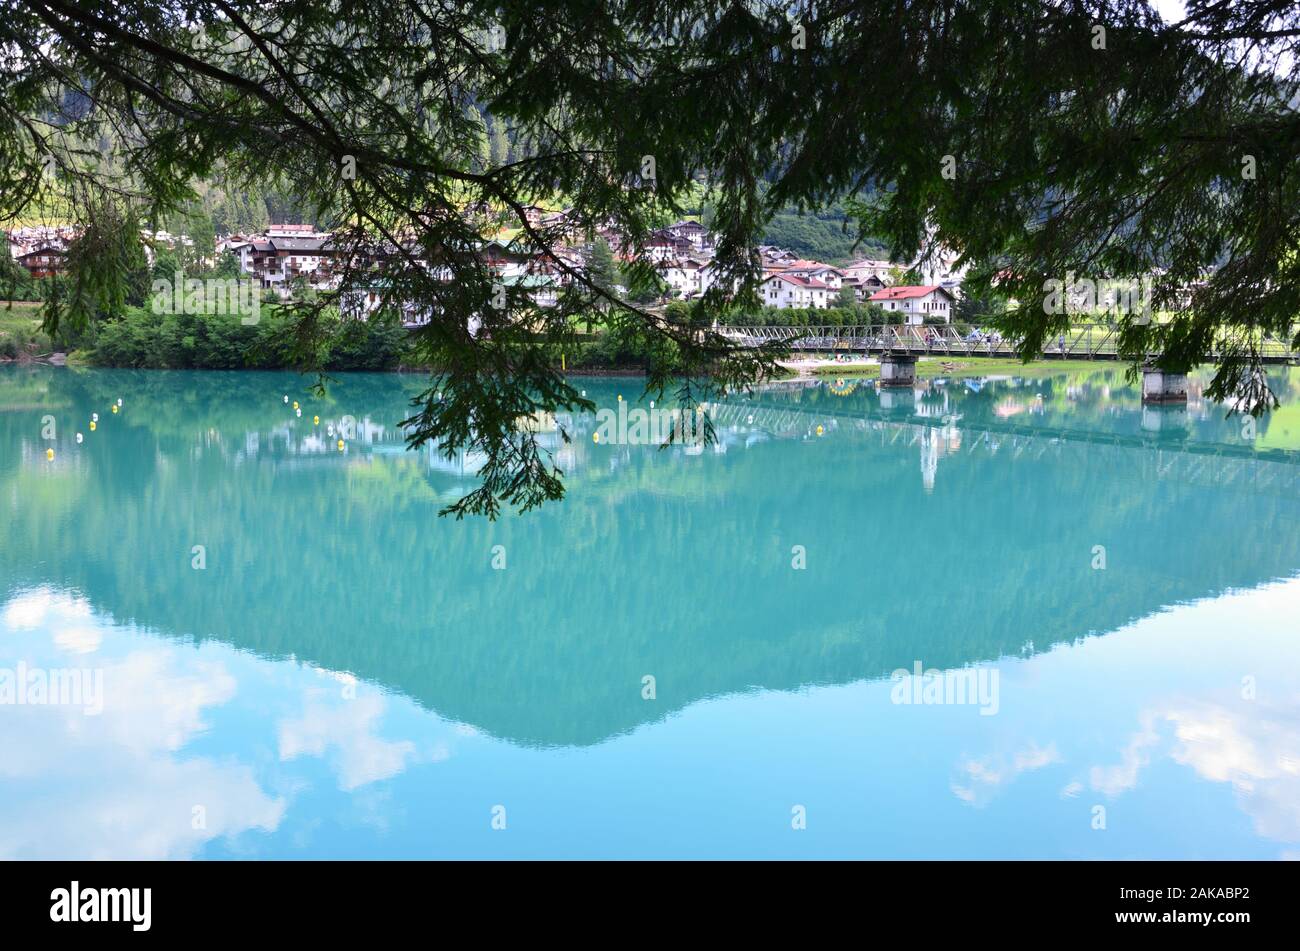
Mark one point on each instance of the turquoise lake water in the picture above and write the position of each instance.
(296, 657)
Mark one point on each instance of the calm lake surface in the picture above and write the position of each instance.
(296, 657)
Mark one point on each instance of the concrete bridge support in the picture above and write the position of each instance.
(897, 369)
(1161, 386)
(1164, 418)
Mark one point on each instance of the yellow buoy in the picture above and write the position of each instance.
(315, 420)
(49, 453)
(595, 437)
(115, 408)
(295, 404)
(92, 425)
(820, 430)
(340, 445)
(620, 397)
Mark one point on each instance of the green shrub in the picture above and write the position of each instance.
(143, 338)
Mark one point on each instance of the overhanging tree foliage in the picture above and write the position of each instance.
(1033, 138)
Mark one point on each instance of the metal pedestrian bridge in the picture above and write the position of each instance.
(1081, 342)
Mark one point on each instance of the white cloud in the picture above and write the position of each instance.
(982, 778)
(1117, 779)
(346, 727)
(115, 785)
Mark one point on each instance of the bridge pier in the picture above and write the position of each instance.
(1161, 386)
(898, 398)
(897, 369)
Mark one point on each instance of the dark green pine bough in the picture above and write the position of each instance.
(1035, 139)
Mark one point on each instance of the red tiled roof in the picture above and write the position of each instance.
(800, 281)
(906, 292)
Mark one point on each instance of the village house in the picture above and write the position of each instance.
(560, 226)
(689, 277)
(814, 270)
(863, 288)
(773, 257)
(916, 303)
(700, 237)
(784, 291)
(868, 267)
(284, 253)
(663, 245)
(45, 261)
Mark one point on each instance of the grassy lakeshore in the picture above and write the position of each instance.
(20, 330)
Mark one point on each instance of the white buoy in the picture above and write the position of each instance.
(119, 401)
(79, 438)
(94, 417)
(298, 412)
(286, 399)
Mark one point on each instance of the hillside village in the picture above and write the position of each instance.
(288, 256)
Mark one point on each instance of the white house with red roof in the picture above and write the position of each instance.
(832, 277)
(783, 290)
(916, 303)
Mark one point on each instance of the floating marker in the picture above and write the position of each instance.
(119, 401)
(820, 430)
(340, 445)
(49, 453)
(584, 393)
(94, 417)
(79, 438)
(595, 437)
(295, 404)
(286, 398)
(92, 425)
(620, 397)
(114, 407)
(652, 404)
(315, 420)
